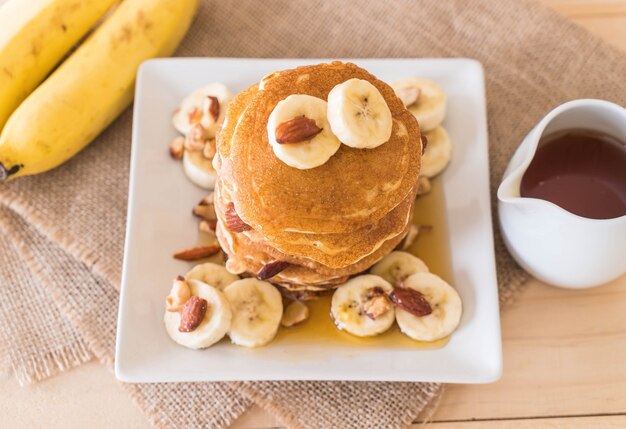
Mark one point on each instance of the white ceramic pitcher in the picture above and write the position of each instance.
(554, 245)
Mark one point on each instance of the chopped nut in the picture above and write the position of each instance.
(270, 269)
(207, 226)
(296, 312)
(213, 107)
(179, 294)
(410, 300)
(194, 140)
(206, 212)
(377, 306)
(297, 130)
(233, 221)
(194, 116)
(423, 185)
(408, 94)
(192, 314)
(177, 146)
(209, 149)
(198, 252)
(208, 200)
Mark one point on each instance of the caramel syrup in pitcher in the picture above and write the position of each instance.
(581, 171)
(431, 245)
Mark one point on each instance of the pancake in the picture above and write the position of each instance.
(245, 256)
(355, 188)
(330, 250)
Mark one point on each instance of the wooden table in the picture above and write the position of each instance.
(564, 351)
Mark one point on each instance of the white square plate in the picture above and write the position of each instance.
(159, 221)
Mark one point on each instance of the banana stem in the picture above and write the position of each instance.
(5, 173)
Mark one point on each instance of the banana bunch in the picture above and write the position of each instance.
(90, 88)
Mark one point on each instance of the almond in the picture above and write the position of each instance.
(194, 140)
(297, 130)
(233, 221)
(377, 306)
(423, 185)
(207, 226)
(410, 300)
(198, 252)
(179, 294)
(177, 146)
(208, 200)
(194, 116)
(209, 149)
(192, 314)
(269, 270)
(409, 95)
(296, 312)
(206, 212)
(214, 107)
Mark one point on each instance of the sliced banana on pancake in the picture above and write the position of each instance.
(359, 115)
(212, 274)
(424, 98)
(441, 298)
(299, 132)
(193, 328)
(257, 310)
(397, 266)
(205, 106)
(438, 152)
(361, 306)
(199, 170)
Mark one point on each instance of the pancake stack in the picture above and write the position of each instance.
(309, 230)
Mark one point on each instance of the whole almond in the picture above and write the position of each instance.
(269, 270)
(297, 130)
(192, 314)
(410, 300)
(233, 221)
(198, 252)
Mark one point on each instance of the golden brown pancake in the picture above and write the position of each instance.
(355, 188)
(330, 222)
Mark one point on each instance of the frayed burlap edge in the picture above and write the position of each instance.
(52, 363)
(55, 234)
(93, 345)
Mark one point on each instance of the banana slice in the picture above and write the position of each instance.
(214, 325)
(198, 169)
(311, 151)
(257, 309)
(445, 304)
(359, 115)
(424, 98)
(438, 153)
(397, 266)
(200, 108)
(361, 306)
(212, 274)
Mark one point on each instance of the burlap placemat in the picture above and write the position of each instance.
(62, 233)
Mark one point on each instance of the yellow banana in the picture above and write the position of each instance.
(92, 87)
(34, 38)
